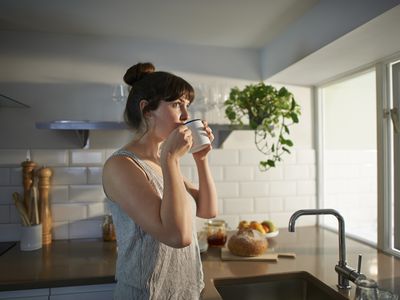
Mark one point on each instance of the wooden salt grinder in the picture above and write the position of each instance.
(27, 177)
(44, 175)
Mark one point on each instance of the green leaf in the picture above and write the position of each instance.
(286, 150)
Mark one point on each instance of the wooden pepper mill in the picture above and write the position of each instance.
(44, 175)
(28, 167)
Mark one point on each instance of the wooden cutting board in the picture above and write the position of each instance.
(268, 256)
(227, 255)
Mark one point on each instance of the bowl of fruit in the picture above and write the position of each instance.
(267, 227)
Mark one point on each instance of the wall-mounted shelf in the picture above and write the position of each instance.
(82, 129)
(6, 101)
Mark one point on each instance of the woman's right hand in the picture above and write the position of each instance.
(178, 142)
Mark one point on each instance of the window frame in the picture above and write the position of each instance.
(384, 146)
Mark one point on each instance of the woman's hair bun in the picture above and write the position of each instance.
(136, 72)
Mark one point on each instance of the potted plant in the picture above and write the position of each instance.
(269, 112)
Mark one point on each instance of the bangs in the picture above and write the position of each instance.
(178, 88)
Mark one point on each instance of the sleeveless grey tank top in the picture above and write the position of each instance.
(147, 268)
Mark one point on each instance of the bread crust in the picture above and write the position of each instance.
(247, 243)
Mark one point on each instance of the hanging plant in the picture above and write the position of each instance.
(270, 113)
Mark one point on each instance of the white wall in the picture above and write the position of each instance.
(71, 77)
(243, 191)
(324, 23)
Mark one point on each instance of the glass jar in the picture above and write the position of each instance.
(108, 229)
(216, 233)
(367, 289)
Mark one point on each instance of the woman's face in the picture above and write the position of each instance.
(168, 116)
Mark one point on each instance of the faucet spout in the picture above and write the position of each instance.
(343, 282)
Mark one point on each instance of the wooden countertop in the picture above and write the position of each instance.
(84, 262)
(317, 252)
(62, 263)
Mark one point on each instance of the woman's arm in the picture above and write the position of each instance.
(169, 219)
(206, 195)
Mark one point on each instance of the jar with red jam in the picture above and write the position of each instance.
(216, 233)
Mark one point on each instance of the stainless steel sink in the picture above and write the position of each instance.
(286, 286)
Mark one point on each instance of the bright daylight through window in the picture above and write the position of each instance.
(350, 154)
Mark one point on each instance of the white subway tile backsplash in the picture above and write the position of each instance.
(218, 157)
(6, 193)
(9, 232)
(238, 173)
(108, 153)
(86, 193)
(269, 204)
(96, 209)
(297, 202)
(305, 156)
(58, 193)
(217, 173)
(250, 157)
(54, 158)
(341, 171)
(4, 176)
(87, 157)
(12, 157)
(244, 192)
(226, 189)
(95, 175)
(238, 206)
(283, 188)
(60, 230)
(296, 172)
(16, 176)
(306, 187)
(71, 175)
(253, 189)
(4, 214)
(289, 159)
(14, 215)
(255, 216)
(68, 212)
(269, 175)
(313, 172)
(187, 173)
(187, 160)
(85, 229)
(240, 139)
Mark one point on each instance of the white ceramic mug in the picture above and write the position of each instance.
(31, 237)
(199, 134)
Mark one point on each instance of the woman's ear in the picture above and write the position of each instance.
(143, 107)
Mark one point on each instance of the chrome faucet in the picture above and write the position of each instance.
(345, 273)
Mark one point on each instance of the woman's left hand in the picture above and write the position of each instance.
(203, 153)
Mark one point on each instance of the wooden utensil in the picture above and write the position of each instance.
(21, 209)
(34, 207)
(44, 175)
(27, 177)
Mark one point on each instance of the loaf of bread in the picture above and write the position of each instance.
(247, 242)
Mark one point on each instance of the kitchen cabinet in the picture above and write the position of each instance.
(33, 294)
(83, 292)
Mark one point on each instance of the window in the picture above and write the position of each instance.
(359, 154)
(349, 176)
(389, 162)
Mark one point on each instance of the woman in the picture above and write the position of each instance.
(152, 204)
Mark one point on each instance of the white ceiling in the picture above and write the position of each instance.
(361, 48)
(228, 23)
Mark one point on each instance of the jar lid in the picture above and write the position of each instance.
(216, 222)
